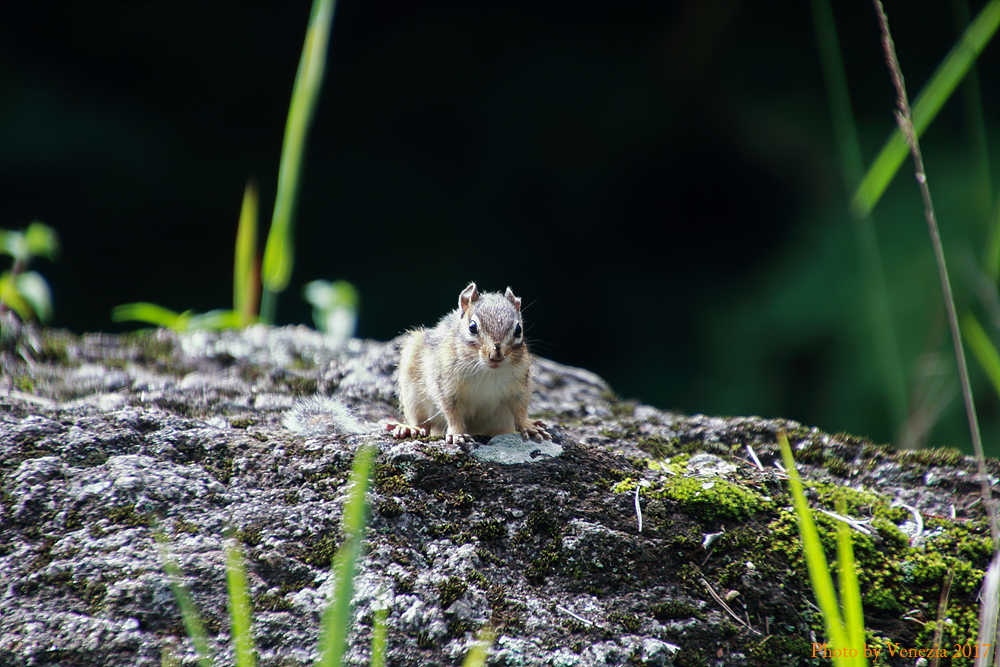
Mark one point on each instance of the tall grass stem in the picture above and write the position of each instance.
(906, 125)
(279, 253)
(852, 168)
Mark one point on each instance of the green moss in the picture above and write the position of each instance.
(933, 457)
(404, 584)
(242, 422)
(390, 507)
(24, 383)
(675, 609)
(659, 447)
(490, 530)
(321, 553)
(618, 406)
(250, 536)
(882, 601)
(126, 515)
(55, 346)
(390, 479)
(301, 385)
(629, 622)
(813, 452)
(271, 602)
(544, 563)
(477, 579)
(712, 499)
(450, 590)
(461, 500)
(181, 526)
(151, 346)
(458, 627)
(780, 650)
(838, 466)
(959, 635)
(438, 530)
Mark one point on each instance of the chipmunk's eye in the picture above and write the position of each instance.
(517, 331)
(474, 328)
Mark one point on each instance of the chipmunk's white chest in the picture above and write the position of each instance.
(487, 397)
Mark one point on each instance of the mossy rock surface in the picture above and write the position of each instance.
(105, 439)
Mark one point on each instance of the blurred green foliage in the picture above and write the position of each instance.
(26, 292)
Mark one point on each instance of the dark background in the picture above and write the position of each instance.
(657, 180)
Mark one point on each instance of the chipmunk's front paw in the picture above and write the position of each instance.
(535, 430)
(458, 438)
(400, 430)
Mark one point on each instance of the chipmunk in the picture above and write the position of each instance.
(470, 374)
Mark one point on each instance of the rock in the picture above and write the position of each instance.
(105, 440)
(512, 448)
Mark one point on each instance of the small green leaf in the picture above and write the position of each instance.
(42, 240)
(150, 313)
(11, 297)
(36, 292)
(335, 306)
(14, 244)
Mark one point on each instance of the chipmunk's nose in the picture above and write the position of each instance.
(496, 355)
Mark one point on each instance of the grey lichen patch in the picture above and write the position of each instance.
(511, 449)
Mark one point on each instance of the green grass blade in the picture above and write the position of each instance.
(214, 320)
(337, 615)
(481, 650)
(844, 129)
(852, 167)
(244, 281)
(279, 251)
(380, 639)
(850, 592)
(819, 572)
(240, 609)
(982, 348)
(150, 313)
(975, 122)
(992, 261)
(989, 613)
(192, 621)
(930, 100)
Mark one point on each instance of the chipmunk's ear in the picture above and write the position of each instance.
(513, 299)
(468, 295)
